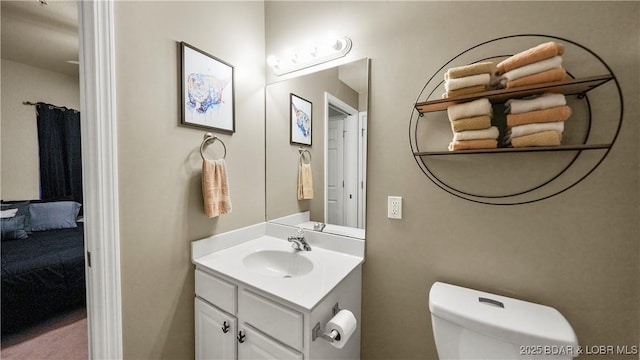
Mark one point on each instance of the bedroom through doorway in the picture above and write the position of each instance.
(44, 295)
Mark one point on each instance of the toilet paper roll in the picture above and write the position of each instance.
(345, 323)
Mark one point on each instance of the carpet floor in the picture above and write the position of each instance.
(63, 337)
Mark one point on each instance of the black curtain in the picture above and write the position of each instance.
(60, 153)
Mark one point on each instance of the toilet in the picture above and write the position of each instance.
(470, 324)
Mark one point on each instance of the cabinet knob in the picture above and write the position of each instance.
(225, 327)
(241, 337)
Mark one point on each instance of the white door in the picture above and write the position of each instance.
(350, 166)
(253, 345)
(362, 169)
(215, 333)
(335, 171)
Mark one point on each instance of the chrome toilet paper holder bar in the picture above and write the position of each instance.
(332, 336)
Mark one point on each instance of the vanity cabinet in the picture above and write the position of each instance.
(258, 328)
(215, 332)
(227, 331)
(237, 321)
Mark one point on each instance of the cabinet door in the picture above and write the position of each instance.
(256, 346)
(212, 342)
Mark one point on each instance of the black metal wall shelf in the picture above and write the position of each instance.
(567, 87)
(517, 150)
(445, 174)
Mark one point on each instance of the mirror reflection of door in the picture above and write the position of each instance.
(343, 164)
(347, 86)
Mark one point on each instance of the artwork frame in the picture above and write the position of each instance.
(300, 120)
(207, 91)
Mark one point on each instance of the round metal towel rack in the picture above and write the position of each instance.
(533, 192)
(210, 138)
(302, 152)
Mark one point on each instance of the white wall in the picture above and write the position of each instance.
(577, 252)
(161, 206)
(21, 82)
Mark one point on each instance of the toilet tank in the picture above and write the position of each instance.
(470, 324)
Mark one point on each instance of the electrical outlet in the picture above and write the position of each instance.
(394, 207)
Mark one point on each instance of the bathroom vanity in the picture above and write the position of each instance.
(258, 298)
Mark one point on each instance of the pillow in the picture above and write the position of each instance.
(53, 215)
(23, 209)
(9, 213)
(13, 228)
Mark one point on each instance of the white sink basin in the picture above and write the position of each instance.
(269, 264)
(277, 263)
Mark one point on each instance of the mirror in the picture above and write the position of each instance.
(339, 98)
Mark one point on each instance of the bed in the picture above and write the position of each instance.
(43, 270)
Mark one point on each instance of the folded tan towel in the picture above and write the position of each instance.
(215, 188)
(465, 91)
(490, 133)
(305, 181)
(534, 54)
(472, 123)
(544, 138)
(544, 101)
(467, 81)
(557, 74)
(468, 70)
(473, 144)
(528, 129)
(469, 109)
(537, 67)
(558, 113)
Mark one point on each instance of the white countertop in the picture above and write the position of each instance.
(330, 268)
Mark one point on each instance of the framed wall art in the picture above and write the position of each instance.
(300, 120)
(207, 95)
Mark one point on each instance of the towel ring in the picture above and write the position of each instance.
(209, 138)
(302, 152)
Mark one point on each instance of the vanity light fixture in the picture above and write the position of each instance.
(309, 56)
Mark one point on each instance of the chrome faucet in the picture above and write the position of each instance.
(319, 226)
(298, 242)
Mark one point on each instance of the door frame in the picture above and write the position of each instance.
(331, 217)
(330, 99)
(100, 178)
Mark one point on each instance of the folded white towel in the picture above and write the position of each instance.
(467, 81)
(544, 101)
(537, 67)
(470, 109)
(490, 133)
(528, 129)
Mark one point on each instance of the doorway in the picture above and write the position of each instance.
(44, 275)
(344, 163)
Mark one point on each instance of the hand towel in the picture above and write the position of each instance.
(528, 129)
(467, 81)
(537, 67)
(559, 113)
(469, 109)
(490, 133)
(545, 138)
(305, 181)
(548, 76)
(544, 101)
(472, 123)
(472, 69)
(465, 91)
(215, 188)
(473, 144)
(534, 54)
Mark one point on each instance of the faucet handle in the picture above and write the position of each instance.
(300, 231)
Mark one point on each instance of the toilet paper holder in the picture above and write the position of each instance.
(332, 336)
